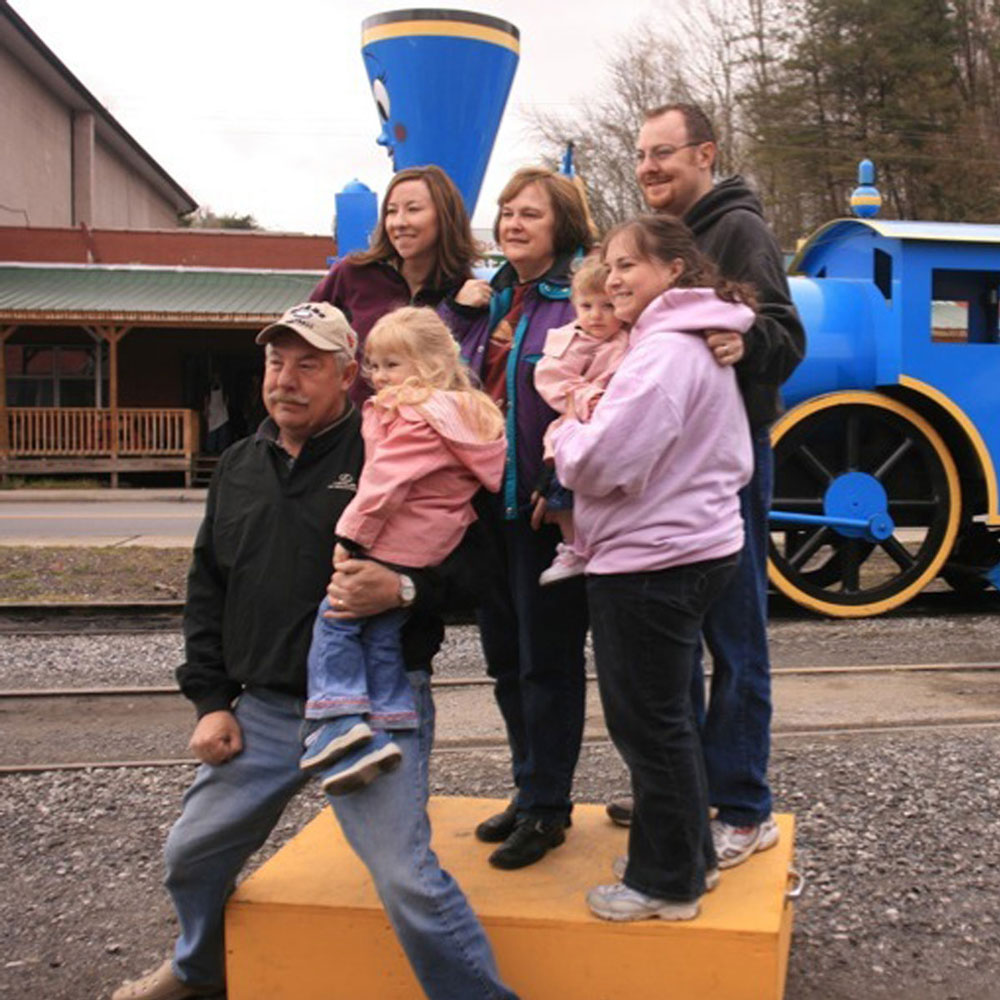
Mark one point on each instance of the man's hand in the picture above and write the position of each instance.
(474, 293)
(360, 588)
(217, 738)
(726, 345)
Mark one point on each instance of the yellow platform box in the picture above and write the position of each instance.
(308, 925)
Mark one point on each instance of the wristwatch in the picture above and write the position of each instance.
(407, 590)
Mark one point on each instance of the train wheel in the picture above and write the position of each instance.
(890, 461)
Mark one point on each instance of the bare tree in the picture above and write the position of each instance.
(644, 71)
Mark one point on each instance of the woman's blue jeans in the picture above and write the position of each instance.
(646, 630)
(231, 809)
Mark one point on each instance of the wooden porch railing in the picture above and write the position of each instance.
(80, 432)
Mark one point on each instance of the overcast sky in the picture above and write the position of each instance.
(266, 108)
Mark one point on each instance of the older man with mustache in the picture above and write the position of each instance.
(261, 564)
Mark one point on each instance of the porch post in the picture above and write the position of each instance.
(113, 334)
(5, 333)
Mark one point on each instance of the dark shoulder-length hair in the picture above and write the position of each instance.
(665, 238)
(572, 225)
(456, 249)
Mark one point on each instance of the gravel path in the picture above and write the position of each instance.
(898, 837)
(150, 658)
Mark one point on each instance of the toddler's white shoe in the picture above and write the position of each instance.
(566, 565)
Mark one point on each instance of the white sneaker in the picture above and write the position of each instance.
(734, 844)
(566, 565)
(619, 902)
(620, 863)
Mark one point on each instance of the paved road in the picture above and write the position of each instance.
(161, 523)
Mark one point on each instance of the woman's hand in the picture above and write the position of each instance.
(475, 293)
(726, 345)
(340, 555)
(538, 512)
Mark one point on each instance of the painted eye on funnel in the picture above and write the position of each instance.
(381, 98)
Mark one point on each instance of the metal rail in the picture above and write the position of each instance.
(69, 618)
(458, 682)
(467, 746)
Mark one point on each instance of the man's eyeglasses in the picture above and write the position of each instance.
(660, 154)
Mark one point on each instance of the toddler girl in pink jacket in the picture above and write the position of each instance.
(431, 440)
(577, 364)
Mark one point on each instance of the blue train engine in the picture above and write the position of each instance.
(886, 460)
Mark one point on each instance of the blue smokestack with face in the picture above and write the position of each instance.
(440, 79)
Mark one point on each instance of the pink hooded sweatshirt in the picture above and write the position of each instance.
(423, 465)
(575, 364)
(656, 471)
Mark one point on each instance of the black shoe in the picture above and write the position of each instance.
(530, 842)
(498, 828)
(620, 810)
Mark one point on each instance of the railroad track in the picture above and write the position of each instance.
(779, 738)
(158, 616)
(109, 714)
(145, 690)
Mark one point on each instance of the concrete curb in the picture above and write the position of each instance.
(103, 496)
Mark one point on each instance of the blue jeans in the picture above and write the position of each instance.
(229, 811)
(646, 628)
(356, 668)
(736, 729)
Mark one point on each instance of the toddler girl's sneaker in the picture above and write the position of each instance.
(332, 739)
(362, 766)
(566, 565)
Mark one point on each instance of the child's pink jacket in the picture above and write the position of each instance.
(423, 465)
(578, 365)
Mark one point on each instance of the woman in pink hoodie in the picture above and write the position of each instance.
(655, 474)
(431, 440)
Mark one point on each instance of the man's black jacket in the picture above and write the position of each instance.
(262, 560)
(729, 227)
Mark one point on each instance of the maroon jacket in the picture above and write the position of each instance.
(365, 293)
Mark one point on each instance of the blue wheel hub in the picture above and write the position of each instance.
(856, 505)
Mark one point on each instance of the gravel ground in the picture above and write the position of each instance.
(121, 659)
(898, 838)
(899, 834)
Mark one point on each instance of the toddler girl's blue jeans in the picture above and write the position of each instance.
(356, 668)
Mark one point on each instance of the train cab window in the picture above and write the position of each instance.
(882, 273)
(964, 307)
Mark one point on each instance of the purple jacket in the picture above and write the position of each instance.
(366, 292)
(546, 306)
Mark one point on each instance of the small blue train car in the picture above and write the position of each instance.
(886, 460)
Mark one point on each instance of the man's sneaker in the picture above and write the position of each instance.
(531, 840)
(734, 844)
(160, 984)
(362, 766)
(620, 810)
(566, 565)
(619, 902)
(332, 739)
(620, 863)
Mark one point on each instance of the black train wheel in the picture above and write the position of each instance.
(895, 455)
